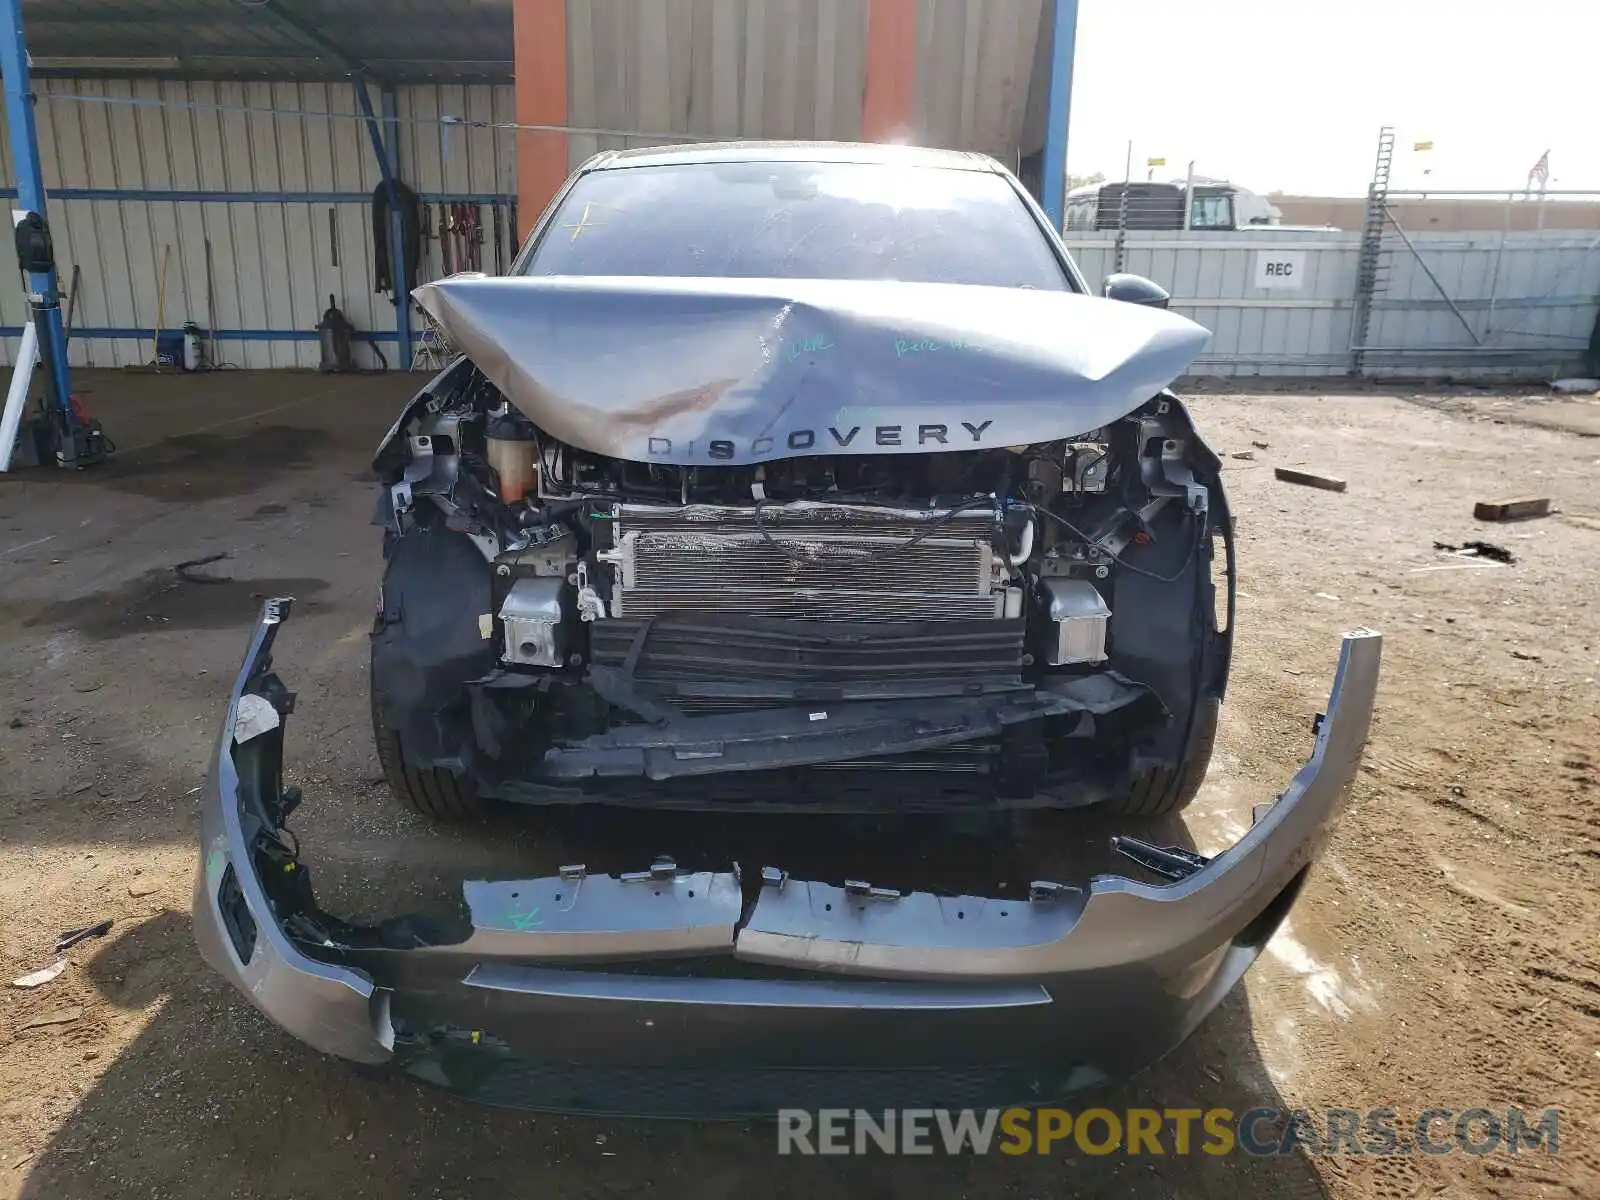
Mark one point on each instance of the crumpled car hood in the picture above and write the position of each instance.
(734, 371)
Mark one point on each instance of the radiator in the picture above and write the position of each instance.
(806, 561)
(681, 647)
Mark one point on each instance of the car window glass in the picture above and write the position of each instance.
(799, 220)
(1212, 212)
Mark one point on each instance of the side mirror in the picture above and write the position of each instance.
(1136, 289)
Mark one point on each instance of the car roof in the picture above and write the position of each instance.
(795, 151)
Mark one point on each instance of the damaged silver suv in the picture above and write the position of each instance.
(806, 479)
(798, 478)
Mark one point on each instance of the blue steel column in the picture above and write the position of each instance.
(387, 152)
(402, 311)
(42, 288)
(1063, 45)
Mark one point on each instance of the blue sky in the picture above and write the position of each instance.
(1289, 94)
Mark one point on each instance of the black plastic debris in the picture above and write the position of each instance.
(1479, 550)
(189, 573)
(71, 937)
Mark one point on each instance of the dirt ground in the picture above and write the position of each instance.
(1446, 952)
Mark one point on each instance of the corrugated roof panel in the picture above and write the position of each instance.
(401, 39)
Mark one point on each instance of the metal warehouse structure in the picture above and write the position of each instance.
(216, 161)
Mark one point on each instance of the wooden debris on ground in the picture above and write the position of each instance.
(1512, 510)
(1327, 483)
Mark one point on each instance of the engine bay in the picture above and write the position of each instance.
(1004, 617)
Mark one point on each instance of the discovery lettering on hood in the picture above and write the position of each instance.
(736, 371)
(798, 441)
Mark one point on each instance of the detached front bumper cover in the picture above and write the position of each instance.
(332, 1008)
(554, 980)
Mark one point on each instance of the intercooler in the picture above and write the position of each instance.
(806, 561)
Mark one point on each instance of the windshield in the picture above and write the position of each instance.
(800, 220)
(1212, 212)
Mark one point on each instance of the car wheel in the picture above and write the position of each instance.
(438, 795)
(1157, 791)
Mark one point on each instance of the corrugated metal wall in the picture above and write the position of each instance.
(255, 149)
(762, 68)
(1530, 294)
(1531, 313)
(1253, 330)
(975, 61)
(795, 69)
(439, 159)
(274, 263)
(734, 68)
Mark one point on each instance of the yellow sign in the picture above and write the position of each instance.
(1155, 162)
(1423, 146)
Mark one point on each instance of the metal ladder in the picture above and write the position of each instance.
(434, 351)
(1369, 272)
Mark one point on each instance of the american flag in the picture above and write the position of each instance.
(1541, 169)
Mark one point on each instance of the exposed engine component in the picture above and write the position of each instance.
(738, 661)
(1080, 616)
(513, 447)
(1090, 466)
(591, 606)
(850, 593)
(531, 616)
(807, 560)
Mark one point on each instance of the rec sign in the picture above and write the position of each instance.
(1280, 268)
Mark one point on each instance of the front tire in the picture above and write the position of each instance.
(1158, 791)
(437, 795)
(426, 643)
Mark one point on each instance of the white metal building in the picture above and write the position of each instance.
(206, 160)
(282, 199)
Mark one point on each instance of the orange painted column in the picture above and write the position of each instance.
(888, 107)
(539, 50)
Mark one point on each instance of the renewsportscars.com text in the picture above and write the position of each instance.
(1174, 1131)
